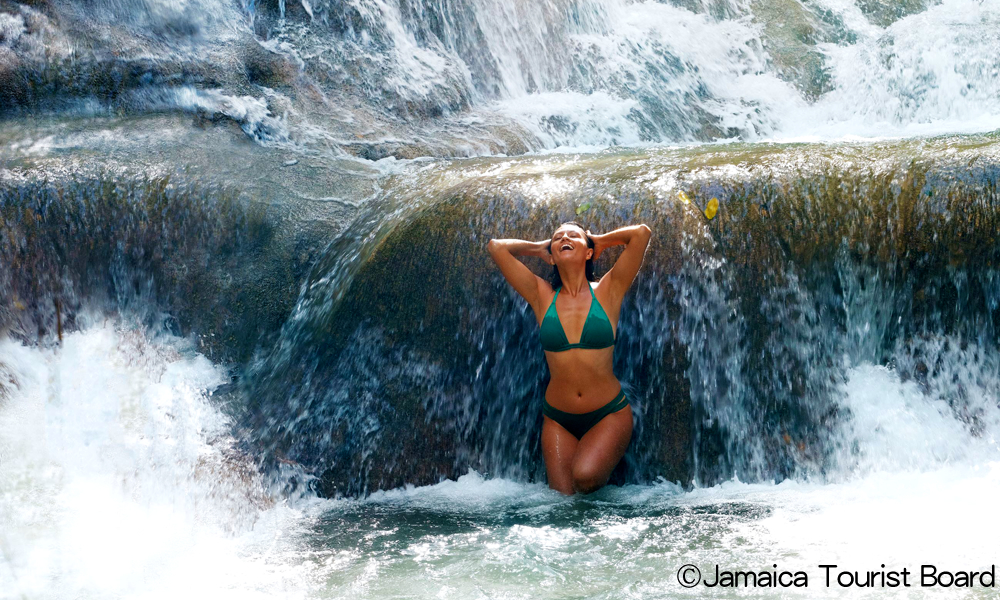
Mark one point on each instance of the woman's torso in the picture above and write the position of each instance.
(582, 379)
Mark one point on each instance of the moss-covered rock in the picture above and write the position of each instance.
(409, 359)
(138, 246)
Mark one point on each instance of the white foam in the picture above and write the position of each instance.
(599, 73)
(469, 490)
(593, 121)
(251, 113)
(930, 73)
(118, 479)
(678, 62)
(896, 426)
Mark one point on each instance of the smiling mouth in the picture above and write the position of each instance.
(566, 247)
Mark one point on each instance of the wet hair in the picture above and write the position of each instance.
(588, 270)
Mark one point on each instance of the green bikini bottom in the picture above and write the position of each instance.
(580, 423)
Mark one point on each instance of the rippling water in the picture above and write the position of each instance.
(498, 539)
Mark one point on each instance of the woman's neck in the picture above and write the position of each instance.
(573, 280)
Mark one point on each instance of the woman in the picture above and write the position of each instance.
(583, 434)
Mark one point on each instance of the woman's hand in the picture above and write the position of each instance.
(544, 252)
(600, 243)
(539, 249)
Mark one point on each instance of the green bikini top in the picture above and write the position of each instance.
(597, 331)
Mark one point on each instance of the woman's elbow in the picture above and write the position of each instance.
(645, 230)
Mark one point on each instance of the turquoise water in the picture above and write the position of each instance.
(498, 539)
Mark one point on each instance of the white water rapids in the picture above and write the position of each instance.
(468, 77)
(117, 478)
(594, 73)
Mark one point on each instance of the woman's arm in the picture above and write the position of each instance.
(514, 271)
(635, 239)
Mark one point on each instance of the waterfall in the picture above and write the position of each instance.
(377, 78)
(739, 344)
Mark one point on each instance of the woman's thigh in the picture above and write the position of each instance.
(558, 448)
(600, 450)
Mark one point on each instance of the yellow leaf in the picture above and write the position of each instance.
(712, 208)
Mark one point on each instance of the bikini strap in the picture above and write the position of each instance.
(552, 305)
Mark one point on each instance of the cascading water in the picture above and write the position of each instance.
(471, 77)
(252, 344)
(749, 325)
(114, 456)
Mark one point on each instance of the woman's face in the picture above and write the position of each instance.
(569, 245)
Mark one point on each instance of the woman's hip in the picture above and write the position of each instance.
(581, 395)
(579, 424)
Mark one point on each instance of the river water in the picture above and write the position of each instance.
(251, 346)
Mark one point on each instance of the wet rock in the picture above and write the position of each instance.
(791, 33)
(137, 247)
(422, 363)
(886, 12)
(266, 67)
